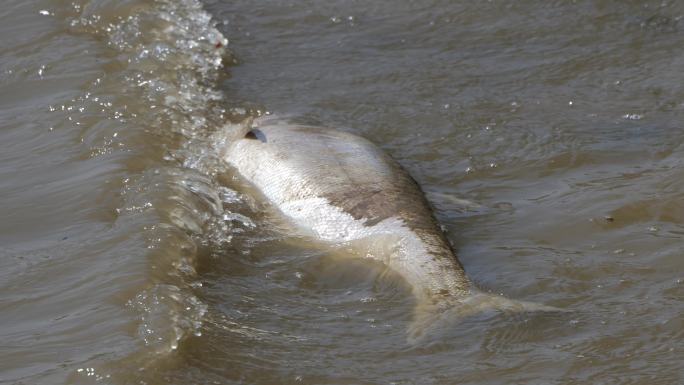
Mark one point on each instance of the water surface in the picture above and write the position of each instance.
(130, 254)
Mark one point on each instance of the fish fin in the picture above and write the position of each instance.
(431, 316)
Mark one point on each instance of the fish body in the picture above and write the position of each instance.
(341, 189)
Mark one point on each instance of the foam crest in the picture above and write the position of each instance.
(165, 59)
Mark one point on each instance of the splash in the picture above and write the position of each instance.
(164, 59)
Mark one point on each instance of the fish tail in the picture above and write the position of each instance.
(432, 316)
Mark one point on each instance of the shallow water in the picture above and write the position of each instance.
(129, 254)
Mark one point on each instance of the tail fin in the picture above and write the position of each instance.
(435, 315)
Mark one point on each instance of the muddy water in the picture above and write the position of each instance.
(547, 135)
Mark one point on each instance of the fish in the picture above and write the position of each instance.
(340, 189)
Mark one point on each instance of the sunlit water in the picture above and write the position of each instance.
(546, 134)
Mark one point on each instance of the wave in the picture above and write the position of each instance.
(162, 62)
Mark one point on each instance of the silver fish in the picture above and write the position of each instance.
(341, 189)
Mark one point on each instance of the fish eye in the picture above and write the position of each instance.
(250, 135)
(256, 134)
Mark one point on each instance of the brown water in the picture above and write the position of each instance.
(129, 254)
